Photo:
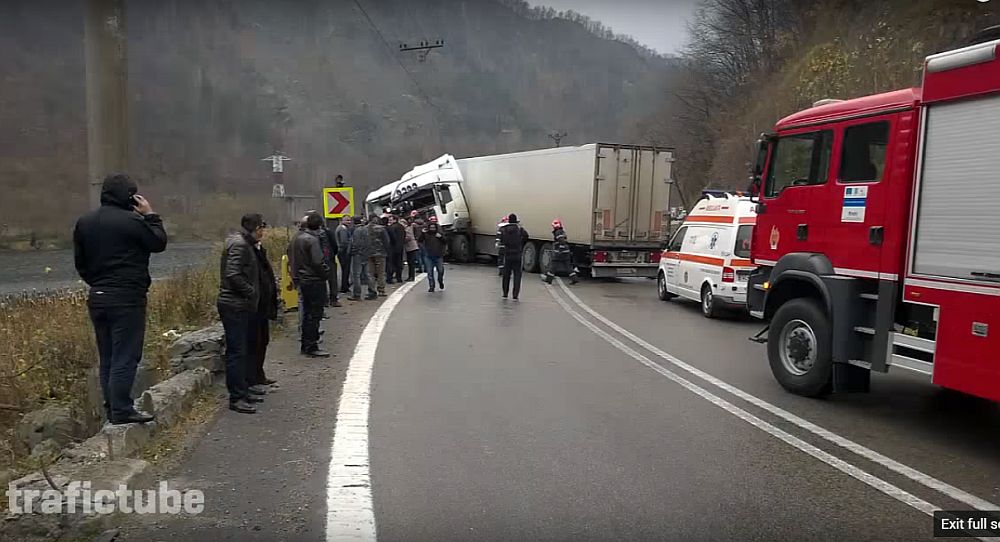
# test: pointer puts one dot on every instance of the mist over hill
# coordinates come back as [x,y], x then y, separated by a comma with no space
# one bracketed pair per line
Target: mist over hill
[216,86]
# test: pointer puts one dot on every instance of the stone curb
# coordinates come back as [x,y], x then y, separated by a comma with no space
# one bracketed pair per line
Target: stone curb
[103,460]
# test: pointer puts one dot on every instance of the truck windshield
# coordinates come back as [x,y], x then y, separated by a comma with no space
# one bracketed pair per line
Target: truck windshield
[743,236]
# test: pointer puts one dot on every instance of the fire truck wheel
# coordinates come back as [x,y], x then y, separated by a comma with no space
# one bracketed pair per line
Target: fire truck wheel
[799,348]
[661,287]
[708,306]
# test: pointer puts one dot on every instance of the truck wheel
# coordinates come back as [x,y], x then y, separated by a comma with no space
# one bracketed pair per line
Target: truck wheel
[799,348]
[529,257]
[708,306]
[661,287]
[545,258]
[461,249]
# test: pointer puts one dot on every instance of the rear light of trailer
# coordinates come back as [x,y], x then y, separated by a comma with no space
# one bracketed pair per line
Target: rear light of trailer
[599,256]
[654,257]
[728,274]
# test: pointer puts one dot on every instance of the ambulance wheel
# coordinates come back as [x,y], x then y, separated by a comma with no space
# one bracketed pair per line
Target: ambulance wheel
[545,258]
[661,287]
[799,348]
[461,249]
[529,257]
[708,306]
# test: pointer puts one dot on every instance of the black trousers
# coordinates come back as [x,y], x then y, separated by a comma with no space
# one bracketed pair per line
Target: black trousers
[332,280]
[258,338]
[120,332]
[511,267]
[396,267]
[411,264]
[236,322]
[313,300]
[345,272]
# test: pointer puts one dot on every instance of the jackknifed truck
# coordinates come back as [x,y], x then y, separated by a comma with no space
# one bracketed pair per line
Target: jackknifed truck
[612,199]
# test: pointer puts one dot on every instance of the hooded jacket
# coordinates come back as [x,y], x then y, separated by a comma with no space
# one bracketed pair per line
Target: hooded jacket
[240,273]
[379,240]
[111,247]
[409,240]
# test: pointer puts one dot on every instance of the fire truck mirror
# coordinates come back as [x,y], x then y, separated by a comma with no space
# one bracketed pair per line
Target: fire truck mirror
[763,144]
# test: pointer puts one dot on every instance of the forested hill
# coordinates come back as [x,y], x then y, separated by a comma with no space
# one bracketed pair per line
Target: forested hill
[215,86]
[751,62]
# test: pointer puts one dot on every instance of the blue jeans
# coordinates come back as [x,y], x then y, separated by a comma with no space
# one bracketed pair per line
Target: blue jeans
[120,333]
[431,263]
[360,275]
[236,322]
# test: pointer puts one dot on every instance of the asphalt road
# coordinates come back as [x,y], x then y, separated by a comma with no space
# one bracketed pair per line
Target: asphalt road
[503,420]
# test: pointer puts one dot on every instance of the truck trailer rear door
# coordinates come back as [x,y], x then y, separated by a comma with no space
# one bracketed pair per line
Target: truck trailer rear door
[632,198]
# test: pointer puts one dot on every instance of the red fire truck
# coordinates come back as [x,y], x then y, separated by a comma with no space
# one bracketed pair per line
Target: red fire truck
[878,234]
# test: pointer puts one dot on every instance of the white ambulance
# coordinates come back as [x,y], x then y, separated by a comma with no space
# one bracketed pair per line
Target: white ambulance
[708,258]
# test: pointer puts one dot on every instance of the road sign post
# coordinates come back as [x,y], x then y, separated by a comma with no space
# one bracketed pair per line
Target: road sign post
[338,202]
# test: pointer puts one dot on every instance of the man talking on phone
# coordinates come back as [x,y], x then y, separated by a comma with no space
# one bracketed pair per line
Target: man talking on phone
[111,247]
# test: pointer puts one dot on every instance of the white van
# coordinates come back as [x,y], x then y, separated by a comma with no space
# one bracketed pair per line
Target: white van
[708,258]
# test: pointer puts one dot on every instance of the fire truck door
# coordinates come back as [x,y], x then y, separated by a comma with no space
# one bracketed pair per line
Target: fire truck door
[797,173]
[855,222]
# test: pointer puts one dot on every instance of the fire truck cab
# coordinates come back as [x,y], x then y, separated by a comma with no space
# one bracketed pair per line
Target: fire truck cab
[878,234]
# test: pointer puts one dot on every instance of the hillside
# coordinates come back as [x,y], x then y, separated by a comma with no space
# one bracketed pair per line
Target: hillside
[218,85]
[752,62]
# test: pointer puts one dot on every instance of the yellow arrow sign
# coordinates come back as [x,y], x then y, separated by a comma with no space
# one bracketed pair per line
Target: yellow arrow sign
[338,202]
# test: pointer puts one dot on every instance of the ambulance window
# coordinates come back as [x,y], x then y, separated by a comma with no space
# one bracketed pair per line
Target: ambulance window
[863,159]
[743,236]
[678,240]
[799,160]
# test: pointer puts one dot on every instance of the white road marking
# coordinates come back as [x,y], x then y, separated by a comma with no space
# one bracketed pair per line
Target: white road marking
[869,454]
[885,487]
[349,509]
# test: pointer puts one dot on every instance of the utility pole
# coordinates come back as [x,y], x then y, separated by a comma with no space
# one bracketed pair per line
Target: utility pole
[424,48]
[557,137]
[105,42]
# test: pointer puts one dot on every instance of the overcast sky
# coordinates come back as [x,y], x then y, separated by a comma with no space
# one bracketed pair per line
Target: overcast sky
[659,24]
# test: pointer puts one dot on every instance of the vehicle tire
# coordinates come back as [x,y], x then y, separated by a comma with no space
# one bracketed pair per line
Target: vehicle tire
[800,348]
[661,287]
[529,257]
[461,249]
[709,308]
[545,258]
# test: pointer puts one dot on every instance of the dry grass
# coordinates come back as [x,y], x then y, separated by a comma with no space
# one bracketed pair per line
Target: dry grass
[47,342]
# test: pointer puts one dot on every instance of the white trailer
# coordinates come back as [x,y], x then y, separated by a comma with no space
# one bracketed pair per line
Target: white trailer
[613,201]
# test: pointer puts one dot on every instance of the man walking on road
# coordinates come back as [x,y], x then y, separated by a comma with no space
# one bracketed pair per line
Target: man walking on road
[343,236]
[312,272]
[111,248]
[410,248]
[239,301]
[379,240]
[433,241]
[360,251]
[512,237]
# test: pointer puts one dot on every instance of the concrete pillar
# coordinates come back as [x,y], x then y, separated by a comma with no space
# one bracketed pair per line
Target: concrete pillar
[105,42]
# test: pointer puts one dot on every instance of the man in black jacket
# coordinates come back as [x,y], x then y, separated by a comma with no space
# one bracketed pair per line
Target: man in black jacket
[260,324]
[311,272]
[512,237]
[328,242]
[239,300]
[111,248]
[394,263]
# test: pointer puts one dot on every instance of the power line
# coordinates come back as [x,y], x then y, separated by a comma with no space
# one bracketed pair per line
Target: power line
[392,53]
